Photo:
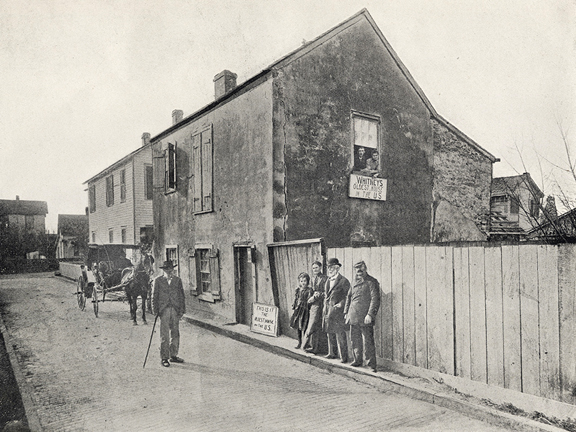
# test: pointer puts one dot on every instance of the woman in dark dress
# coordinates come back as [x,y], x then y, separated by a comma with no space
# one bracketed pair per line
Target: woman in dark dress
[299,319]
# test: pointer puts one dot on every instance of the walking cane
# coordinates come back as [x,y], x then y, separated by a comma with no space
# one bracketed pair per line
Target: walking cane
[150,343]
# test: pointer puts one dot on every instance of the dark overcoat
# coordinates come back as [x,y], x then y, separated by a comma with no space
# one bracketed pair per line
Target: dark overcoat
[363,299]
[168,294]
[333,314]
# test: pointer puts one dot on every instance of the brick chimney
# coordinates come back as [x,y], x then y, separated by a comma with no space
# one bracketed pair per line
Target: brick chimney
[177,116]
[224,82]
[145,139]
[17,198]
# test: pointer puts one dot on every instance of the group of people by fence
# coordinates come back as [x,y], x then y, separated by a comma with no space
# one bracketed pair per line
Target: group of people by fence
[330,304]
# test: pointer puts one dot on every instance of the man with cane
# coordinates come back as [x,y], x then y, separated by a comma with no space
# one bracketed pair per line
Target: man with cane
[168,302]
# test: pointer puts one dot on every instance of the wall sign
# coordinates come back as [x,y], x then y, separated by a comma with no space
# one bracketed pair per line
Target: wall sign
[366,187]
[264,319]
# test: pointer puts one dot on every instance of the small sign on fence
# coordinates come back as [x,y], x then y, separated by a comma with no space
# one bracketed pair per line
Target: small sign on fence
[264,319]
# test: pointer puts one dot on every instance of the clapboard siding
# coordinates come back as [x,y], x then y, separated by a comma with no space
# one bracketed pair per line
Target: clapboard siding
[133,213]
[503,315]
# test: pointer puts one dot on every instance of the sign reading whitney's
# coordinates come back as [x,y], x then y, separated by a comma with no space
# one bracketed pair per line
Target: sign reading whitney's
[365,187]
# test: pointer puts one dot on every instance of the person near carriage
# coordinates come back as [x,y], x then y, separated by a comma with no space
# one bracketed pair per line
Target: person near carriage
[168,302]
[299,319]
[311,342]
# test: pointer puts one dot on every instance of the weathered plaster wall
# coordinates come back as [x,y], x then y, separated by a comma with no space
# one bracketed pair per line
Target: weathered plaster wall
[242,195]
[314,96]
[462,179]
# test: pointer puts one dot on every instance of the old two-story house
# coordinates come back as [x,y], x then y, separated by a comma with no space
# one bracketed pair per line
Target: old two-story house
[120,201]
[23,233]
[335,141]
[23,216]
[72,236]
[515,205]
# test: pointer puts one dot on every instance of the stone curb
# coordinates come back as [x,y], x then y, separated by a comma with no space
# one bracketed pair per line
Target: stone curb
[387,383]
[25,389]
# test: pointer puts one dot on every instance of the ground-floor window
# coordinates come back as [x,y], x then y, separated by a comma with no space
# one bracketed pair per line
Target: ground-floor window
[204,272]
[172,255]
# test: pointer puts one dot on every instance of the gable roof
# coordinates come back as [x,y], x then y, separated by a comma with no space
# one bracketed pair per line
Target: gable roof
[72,225]
[117,164]
[23,207]
[308,47]
[506,185]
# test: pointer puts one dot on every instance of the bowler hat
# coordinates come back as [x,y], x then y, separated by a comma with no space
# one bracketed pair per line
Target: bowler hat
[334,262]
[168,265]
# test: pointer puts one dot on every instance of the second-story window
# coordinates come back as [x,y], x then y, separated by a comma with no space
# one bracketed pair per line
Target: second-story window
[149,185]
[92,198]
[110,190]
[123,185]
[366,151]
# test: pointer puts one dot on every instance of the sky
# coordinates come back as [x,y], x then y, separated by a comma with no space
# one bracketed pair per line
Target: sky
[81,80]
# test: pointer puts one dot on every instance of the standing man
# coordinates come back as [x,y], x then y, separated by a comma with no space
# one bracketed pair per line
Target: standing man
[362,304]
[337,287]
[314,330]
[168,302]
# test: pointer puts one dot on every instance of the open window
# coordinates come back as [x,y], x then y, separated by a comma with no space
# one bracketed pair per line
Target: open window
[365,143]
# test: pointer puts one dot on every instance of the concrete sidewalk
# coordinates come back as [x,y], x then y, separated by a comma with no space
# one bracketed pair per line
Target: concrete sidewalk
[416,388]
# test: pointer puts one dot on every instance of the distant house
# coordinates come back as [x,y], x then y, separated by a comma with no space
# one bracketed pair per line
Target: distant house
[335,141]
[120,200]
[23,233]
[72,236]
[554,228]
[20,216]
[515,204]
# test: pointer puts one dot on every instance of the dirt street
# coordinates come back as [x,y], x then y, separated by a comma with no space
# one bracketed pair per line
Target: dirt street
[85,374]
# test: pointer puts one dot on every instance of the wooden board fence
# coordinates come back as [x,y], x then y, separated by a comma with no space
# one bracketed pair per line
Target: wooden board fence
[504,315]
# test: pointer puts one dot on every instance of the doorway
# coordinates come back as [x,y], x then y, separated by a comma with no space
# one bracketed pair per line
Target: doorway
[245,282]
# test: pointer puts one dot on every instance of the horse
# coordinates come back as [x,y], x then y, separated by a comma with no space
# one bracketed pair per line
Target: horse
[138,284]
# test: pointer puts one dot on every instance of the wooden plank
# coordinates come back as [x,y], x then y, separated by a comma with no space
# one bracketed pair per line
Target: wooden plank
[408,304]
[567,302]
[373,263]
[397,307]
[347,264]
[420,318]
[549,324]
[494,326]
[440,303]
[386,302]
[477,315]
[462,311]
[528,256]
[511,317]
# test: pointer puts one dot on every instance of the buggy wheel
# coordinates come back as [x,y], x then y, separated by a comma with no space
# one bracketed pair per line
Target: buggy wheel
[95,301]
[80,293]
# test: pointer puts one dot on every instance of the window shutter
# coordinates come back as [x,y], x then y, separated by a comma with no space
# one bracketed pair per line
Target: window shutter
[215,273]
[197,172]
[207,170]
[514,205]
[158,167]
[171,168]
[193,281]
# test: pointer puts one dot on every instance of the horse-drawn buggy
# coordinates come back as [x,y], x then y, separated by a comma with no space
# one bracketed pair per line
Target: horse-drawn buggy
[107,274]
